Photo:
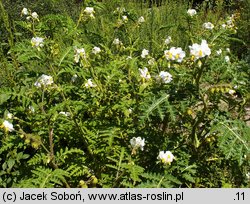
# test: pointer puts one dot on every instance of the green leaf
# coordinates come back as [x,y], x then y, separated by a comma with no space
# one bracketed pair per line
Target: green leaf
[11,163]
[66,52]
[4,98]
[188,177]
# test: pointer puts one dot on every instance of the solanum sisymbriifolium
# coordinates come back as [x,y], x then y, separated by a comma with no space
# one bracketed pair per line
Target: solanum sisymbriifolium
[123,97]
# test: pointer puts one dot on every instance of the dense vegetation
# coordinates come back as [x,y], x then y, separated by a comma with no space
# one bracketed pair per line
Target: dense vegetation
[124,93]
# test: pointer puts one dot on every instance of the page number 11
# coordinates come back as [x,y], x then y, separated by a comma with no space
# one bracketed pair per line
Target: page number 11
[240,196]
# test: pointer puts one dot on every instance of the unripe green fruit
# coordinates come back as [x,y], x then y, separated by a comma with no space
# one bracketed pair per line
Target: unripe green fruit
[94,180]
[83,184]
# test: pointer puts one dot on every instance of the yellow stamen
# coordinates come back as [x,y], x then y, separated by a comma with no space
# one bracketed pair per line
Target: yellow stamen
[200,53]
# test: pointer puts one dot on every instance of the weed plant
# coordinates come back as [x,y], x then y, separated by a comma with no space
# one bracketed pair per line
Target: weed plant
[117,94]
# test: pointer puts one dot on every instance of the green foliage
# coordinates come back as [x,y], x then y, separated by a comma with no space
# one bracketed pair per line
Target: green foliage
[73,115]
[233,139]
[43,177]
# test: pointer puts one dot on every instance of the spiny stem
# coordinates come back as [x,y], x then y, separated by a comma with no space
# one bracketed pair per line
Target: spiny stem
[52,155]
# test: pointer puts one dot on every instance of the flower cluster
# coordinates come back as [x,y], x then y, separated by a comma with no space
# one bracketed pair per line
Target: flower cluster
[44,81]
[31,109]
[144,73]
[25,12]
[79,53]
[141,20]
[89,84]
[29,14]
[230,22]
[218,52]
[9,115]
[166,157]
[96,50]
[74,77]
[124,19]
[227,59]
[191,12]
[37,42]
[168,40]
[165,77]
[144,53]
[119,10]
[200,50]
[151,61]
[7,126]
[176,54]
[89,11]
[137,142]
[117,42]
[231,91]
[208,26]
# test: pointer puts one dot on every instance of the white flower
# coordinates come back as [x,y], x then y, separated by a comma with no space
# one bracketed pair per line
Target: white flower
[223,25]
[208,26]
[166,157]
[65,113]
[37,42]
[79,53]
[31,109]
[231,91]
[151,61]
[144,53]
[166,77]
[34,15]
[25,12]
[125,18]
[168,40]
[175,54]
[191,12]
[128,58]
[248,175]
[137,142]
[141,20]
[199,51]
[117,41]
[228,49]
[89,83]
[120,10]
[144,73]
[230,22]
[218,52]
[74,77]
[9,116]
[8,126]
[227,59]
[96,50]
[89,11]
[44,81]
